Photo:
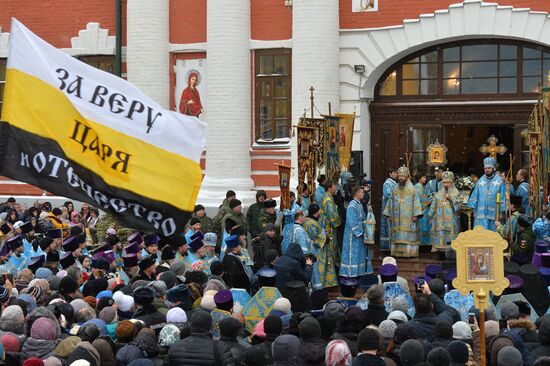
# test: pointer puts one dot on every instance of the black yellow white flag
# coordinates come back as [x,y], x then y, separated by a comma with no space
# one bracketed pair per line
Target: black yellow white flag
[83,133]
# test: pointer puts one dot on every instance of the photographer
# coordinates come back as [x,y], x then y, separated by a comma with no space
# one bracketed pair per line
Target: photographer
[429,309]
[293,266]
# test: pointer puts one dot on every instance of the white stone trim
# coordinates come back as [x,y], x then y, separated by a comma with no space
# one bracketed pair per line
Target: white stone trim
[4,38]
[379,48]
[260,45]
[93,41]
[187,47]
[265,172]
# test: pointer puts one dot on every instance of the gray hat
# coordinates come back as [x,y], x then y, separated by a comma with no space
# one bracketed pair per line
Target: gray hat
[509,310]
[387,329]
[398,316]
[438,356]
[400,303]
[411,353]
[159,287]
[509,356]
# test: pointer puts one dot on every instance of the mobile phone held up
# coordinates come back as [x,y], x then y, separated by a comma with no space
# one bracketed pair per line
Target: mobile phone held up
[471,318]
[420,285]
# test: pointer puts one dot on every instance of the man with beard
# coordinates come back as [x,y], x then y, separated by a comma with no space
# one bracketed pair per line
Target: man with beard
[483,199]
[237,274]
[17,258]
[403,210]
[151,247]
[388,187]
[5,265]
[181,252]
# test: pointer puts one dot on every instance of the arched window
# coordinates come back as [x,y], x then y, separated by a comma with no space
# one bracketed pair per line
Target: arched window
[484,69]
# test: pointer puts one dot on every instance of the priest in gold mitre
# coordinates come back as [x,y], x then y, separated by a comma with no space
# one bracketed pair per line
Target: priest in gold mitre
[444,213]
[403,210]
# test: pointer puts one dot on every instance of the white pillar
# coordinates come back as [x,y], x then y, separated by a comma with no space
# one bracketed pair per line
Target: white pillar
[228,112]
[148,59]
[315,58]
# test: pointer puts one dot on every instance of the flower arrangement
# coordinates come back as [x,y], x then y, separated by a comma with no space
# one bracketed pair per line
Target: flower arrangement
[465,183]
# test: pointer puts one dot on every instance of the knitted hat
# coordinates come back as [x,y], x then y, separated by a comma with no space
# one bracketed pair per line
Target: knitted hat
[400,303]
[10,342]
[44,329]
[144,295]
[404,332]
[509,310]
[68,285]
[4,295]
[108,314]
[369,340]
[78,305]
[13,313]
[43,273]
[491,328]
[230,327]
[309,328]
[387,329]
[234,203]
[124,302]
[411,353]
[201,322]
[509,356]
[335,311]
[91,301]
[33,361]
[169,278]
[282,304]
[458,351]
[208,303]
[443,329]
[159,287]
[176,315]
[462,331]
[169,335]
[398,317]
[125,331]
[103,303]
[147,341]
[439,356]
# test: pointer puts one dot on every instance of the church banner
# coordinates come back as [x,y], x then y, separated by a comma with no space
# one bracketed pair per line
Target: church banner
[284,185]
[82,133]
[332,137]
[345,139]
[306,158]
[318,140]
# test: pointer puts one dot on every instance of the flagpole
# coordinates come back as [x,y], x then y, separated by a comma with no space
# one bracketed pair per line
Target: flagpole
[118,44]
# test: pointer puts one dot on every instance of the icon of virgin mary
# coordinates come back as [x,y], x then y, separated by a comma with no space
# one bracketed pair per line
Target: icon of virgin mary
[190,102]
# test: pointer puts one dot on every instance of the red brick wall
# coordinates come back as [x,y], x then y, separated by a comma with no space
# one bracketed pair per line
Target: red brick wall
[270,20]
[57,21]
[187,21]
[393,12]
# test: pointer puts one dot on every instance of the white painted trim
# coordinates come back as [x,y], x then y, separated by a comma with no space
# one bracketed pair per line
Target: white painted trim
[260,45]
[187,47]
[4,38]
[274,157]
[265,172]
[267,188]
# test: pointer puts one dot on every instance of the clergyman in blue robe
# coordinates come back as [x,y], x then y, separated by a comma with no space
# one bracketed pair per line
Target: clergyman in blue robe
[522,189]
[387,190]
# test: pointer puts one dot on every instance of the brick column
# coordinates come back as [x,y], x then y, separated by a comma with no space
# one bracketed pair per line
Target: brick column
[315,58]
[228,112]
[147,48]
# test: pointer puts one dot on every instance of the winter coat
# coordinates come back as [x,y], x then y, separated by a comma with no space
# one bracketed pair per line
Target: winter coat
[375,314]
[312,352]
[151,317]
[38,348]
[526,329]
[265,346]
[368,360]
[239,218]
[235,275]
[424,324]
[542,350]
[196,350]
[441,342]
[232,353]
[289,267]
[253,215]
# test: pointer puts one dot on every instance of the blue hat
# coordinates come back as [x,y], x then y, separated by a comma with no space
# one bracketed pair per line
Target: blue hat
[14,242]
[210,239]
[232,242]
[70,244]
[388,273]
[196,244]
[178,293]
[55,233]
[489,163]
[433,270]
[151,239]
[197,235]
[80,238]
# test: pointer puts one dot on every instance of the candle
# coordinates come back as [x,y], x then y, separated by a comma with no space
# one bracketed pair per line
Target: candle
[498,197]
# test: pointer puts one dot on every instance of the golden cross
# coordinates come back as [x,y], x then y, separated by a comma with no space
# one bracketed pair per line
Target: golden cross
[492,149]
[311,90]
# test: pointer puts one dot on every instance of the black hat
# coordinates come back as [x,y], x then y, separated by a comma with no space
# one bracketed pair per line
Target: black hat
[229,224]
[101,263]
[216,268]
[144,295]
[52,256]
[196,244]
[511,268]
[194,221]
[67,260]
[45,242]
[168,253]
[26,227]
[230,327]
[80,238]
[14,242]
[55,233]
[112,240]
[515,200]
[525,220]
[348,286]
[369,340]
[36,262]
[94,287]
[459,352]
[234,203]
[313,209]
[57,211]
[5,228]
[151,239]
[230,193]
[198,208]
[535,288]
[201,322]
[75,230]
[270,203]
[178,293]
[270,255]
[70,244]
[68,285]
[146,263]
[130,260]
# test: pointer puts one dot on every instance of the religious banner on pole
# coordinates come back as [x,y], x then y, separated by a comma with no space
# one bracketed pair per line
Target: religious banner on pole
[332,136]
[537,133]
[345,140]
[284,185]
[85,134]
[306,158]
[318,139]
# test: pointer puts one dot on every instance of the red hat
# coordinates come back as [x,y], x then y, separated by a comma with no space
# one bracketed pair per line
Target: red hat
[11,343]
[33,361]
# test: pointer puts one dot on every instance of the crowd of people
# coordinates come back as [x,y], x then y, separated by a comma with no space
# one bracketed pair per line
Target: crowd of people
[272,287]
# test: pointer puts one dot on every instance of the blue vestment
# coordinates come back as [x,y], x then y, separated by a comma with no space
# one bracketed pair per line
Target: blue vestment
[483,200]
[522,190]
[424,222]
[354,250]
[319,195]
[388,187]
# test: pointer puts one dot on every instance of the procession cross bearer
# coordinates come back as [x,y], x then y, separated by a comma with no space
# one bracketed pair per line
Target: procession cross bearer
[489,189]
[403,210]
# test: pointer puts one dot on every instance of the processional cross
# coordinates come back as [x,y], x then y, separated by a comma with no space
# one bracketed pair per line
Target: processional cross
[492,149]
